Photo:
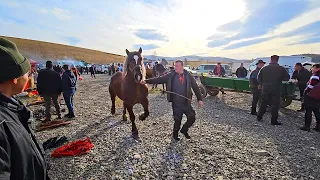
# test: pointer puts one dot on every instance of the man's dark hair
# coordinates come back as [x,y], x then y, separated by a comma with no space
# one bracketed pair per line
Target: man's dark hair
[49,64]
[65,67]
[299,64]
[179,61]
[316,65]
[275,58]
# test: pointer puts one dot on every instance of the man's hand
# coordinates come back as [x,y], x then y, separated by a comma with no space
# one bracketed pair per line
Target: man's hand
[259,87]
[143,82]
[200,104]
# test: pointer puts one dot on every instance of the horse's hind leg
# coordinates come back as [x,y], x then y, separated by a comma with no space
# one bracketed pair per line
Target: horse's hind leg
[113,100]
[132,119]
[145,104]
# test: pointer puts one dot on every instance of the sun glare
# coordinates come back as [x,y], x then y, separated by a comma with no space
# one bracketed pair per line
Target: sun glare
[199,19]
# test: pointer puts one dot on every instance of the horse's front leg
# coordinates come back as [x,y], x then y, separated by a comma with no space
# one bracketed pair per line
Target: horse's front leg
[145,104]
[135,134]
[124,116]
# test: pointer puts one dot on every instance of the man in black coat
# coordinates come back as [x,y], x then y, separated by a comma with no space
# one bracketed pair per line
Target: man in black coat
[270,79]
[21,156]
[179,84]
[255,88]
[302,75]
[49,85]
[241,72]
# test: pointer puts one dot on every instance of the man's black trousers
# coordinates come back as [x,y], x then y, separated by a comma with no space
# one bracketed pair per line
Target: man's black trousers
[272,98]
[256,93]
[178,111]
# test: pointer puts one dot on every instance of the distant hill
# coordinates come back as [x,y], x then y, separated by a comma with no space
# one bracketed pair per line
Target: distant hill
[208,59]
[315,57]
[42,51]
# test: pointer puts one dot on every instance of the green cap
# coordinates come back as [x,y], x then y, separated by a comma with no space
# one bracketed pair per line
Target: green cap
[12,63]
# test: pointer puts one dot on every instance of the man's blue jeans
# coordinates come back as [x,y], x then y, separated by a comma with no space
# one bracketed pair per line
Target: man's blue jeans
[68,98]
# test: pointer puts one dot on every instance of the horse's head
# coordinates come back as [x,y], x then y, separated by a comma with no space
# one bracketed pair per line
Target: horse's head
[134,65]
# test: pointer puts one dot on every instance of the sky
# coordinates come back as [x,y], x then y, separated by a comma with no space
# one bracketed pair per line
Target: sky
[240,29]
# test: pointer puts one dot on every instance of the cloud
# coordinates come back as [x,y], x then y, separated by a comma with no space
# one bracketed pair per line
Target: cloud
[262,17]
[146,46]
[61,14]
[151,34]
[72,40]
[246,43]
[218,43]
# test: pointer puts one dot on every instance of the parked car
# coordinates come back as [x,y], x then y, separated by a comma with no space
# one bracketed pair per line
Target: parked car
[189,69]
[205,68]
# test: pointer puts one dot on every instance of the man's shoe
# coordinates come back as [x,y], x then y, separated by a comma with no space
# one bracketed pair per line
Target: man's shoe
[176,136]
[317,128]
[186,134]
[253,113]
[305,128]
[67,115]
[71,116]
[276,123]
[259,118]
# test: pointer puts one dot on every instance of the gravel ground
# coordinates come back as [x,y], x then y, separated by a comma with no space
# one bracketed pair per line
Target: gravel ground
[227,142]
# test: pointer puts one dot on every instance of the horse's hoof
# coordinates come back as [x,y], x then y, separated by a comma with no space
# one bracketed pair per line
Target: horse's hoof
[113,112]
[142,117]
[124,118]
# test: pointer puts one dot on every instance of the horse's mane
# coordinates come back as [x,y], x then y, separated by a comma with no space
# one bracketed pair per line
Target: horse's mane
[126,62]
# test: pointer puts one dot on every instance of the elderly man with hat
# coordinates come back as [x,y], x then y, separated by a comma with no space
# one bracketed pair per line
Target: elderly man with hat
[270,79]
[21,156]
[255,88]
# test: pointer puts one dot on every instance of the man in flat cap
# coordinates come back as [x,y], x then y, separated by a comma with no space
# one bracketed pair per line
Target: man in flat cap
[255,88]
[270,79]
[21,156]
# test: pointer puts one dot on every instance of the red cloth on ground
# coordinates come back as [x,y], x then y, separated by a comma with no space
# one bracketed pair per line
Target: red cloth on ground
[74,148]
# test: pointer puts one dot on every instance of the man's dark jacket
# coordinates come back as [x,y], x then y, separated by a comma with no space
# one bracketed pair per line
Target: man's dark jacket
[303,76]
[271,77]
[21,156]
[167,79]
[49,82]
[68,81]
[254,78]
[241,72]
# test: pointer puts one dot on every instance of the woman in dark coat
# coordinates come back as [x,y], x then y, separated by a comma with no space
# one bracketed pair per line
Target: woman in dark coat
[312,104]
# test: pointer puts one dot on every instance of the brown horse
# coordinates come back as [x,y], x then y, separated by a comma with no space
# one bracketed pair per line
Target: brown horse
[126,85]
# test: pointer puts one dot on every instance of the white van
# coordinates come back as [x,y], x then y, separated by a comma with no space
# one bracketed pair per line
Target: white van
[286,61]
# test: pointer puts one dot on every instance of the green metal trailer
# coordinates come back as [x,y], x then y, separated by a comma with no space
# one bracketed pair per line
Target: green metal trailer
[212,85]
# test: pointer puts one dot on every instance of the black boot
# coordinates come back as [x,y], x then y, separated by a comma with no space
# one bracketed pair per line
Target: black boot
[185,133]
[305,128]
[175,136]
[317,128]
[253,111]
[276,123]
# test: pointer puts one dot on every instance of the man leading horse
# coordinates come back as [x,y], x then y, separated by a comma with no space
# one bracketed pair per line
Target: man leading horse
[179,84]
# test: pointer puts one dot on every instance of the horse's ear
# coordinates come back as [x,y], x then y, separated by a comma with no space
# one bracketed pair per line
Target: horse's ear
[140,50]
[127,51]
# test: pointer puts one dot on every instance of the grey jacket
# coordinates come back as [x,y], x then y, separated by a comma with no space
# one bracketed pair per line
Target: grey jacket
[271,77]
[167,79]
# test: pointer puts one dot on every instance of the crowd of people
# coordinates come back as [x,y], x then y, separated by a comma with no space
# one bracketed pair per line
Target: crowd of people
[22,156]
[266,86]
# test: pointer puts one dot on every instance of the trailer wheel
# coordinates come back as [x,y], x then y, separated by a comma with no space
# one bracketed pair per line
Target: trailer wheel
[286,101]
[213,91]
[203,90]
